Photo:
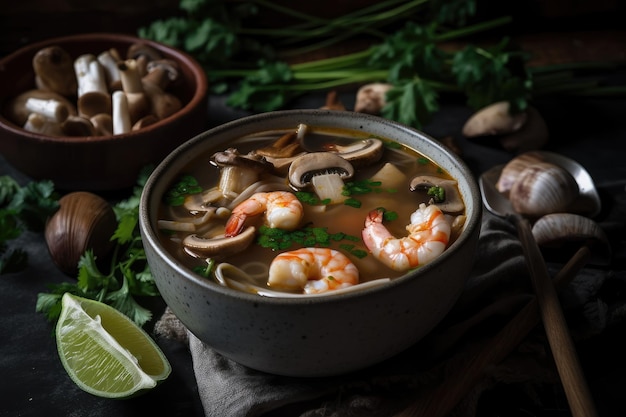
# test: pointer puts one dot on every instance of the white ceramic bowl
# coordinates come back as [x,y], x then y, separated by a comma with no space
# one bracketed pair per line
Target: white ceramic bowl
[318,336]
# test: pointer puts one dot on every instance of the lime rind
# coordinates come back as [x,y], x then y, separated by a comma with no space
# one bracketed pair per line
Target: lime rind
[104,352]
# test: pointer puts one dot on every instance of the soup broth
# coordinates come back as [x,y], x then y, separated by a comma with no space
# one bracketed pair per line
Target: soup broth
[382,183]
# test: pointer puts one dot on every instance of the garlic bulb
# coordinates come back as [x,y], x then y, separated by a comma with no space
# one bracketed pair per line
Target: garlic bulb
[543,188]
[83,221]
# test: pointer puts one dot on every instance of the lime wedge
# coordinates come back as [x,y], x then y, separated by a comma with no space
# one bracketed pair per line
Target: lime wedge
[106,353]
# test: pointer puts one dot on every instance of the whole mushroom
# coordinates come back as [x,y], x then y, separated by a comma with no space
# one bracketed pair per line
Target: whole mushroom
[54,71]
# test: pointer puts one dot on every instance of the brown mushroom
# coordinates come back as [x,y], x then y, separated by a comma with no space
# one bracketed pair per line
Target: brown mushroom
[220,246]
[371,98]
[78,126]
[18,113]
[361,153]
[138,102]
[452,201]
[102,124]
[238,171]
[325,172]
[37,123]
[53,68]
[93,93]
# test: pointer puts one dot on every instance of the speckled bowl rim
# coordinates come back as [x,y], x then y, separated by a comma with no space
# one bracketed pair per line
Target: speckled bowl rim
[150,237]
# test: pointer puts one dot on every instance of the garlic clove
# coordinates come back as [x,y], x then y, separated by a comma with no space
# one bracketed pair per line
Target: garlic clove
[543,188]
[84,221]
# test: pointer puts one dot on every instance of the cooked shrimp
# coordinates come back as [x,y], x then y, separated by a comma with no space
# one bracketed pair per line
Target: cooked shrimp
[429,233]
[313,270]
[282,210]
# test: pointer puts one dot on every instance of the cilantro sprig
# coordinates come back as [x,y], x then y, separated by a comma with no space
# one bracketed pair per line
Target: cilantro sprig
[22,208]
[248,60]
[126,277]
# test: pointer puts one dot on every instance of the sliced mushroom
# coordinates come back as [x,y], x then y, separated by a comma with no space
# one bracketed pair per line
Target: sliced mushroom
[452,202]
[568,231]
[361,153]
[325,172]
[307,166]
[238,171]
[220,246]
[54,71]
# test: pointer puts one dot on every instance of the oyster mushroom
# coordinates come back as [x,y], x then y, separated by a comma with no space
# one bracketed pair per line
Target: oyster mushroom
[282,152]
[54,71]
[324,172]
[219,246]
[567,231]
[543,188]
[238,171]
[452,202]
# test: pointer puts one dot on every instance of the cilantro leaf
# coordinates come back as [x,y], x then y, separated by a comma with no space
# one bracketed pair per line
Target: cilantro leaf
[412,103]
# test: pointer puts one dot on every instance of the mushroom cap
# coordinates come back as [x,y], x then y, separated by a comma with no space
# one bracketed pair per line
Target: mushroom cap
[453,202]
[54,71]
[220,246]
[232,157]
[362,153]
[305,167]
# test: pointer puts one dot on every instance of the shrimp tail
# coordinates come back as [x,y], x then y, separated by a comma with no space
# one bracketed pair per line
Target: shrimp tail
[234,225]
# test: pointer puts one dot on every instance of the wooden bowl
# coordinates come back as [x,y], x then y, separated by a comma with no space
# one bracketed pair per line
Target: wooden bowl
[98,162]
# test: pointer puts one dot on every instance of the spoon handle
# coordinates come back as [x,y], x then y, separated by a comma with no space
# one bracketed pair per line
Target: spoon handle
[559,338]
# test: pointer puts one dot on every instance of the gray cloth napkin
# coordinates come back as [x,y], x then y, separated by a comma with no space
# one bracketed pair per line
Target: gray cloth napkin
[497,288]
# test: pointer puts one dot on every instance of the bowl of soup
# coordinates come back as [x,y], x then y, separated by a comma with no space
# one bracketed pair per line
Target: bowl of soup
[310,242]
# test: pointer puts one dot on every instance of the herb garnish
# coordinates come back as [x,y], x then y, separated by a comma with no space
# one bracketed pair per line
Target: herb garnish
[437,193]
[21,209]
[186,185]
[308,236]
[127,277]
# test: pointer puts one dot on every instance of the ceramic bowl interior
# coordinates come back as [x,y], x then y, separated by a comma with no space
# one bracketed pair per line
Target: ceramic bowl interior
[98,162]
[311,336]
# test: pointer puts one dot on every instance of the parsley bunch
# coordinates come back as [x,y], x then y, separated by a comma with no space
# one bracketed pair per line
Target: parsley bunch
[127,276]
